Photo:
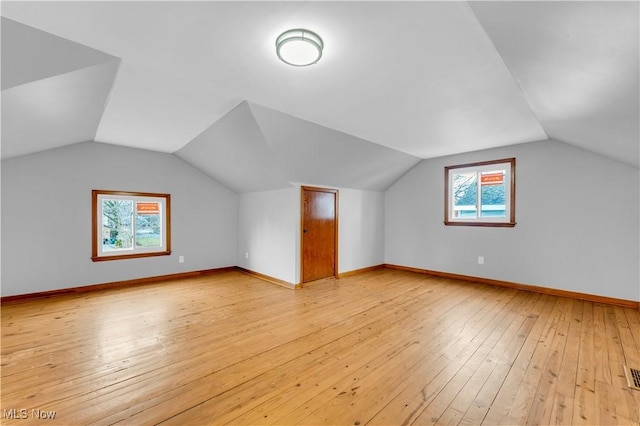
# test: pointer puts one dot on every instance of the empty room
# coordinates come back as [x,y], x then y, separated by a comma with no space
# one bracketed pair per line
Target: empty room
[320,213]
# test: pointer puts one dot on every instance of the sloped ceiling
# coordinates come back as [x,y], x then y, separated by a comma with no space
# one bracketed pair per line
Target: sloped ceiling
[577,64]
[234,152]
[398,81]
[251,139]
[314,154]
[53,91]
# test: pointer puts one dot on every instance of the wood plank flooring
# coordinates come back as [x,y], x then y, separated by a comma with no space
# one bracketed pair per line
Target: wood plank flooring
[385,347]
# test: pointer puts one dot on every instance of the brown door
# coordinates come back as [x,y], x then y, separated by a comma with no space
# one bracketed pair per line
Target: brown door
[319,233]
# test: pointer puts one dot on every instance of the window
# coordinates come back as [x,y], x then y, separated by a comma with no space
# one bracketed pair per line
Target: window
[130,224]
[481,194]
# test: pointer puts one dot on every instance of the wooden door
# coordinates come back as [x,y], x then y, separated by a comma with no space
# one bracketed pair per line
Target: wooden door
[319,233]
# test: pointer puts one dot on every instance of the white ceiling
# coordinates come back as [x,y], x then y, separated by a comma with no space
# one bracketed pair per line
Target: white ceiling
[423,78]
[255,148]
[577,64]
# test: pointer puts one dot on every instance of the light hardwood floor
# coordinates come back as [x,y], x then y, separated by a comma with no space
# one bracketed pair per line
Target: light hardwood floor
[385,347]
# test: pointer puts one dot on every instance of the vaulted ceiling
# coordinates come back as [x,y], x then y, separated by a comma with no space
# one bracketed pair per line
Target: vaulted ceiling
[398,82]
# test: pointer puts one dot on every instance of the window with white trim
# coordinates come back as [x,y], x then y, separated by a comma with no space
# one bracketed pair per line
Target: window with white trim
[481,194]
[130,224]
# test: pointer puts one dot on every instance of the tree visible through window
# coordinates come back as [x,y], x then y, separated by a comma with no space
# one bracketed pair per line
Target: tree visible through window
[480,194]
[130,224]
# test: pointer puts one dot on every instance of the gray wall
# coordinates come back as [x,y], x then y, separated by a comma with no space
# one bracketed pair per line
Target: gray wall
[577,226]
[577,213]
[46,216]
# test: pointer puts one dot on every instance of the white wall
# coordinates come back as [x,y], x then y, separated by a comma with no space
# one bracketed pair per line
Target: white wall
[577,220]
[46,216]
[361,229]
[268,231]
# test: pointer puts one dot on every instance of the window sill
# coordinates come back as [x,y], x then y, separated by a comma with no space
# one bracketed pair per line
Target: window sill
[129,256]
[485,224]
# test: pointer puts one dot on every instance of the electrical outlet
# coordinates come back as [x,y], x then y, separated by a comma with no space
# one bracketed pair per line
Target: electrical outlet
[480,260]
[246,254]
[180,259]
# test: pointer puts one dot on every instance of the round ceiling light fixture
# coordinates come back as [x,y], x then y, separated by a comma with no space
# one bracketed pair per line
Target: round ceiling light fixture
[299,47]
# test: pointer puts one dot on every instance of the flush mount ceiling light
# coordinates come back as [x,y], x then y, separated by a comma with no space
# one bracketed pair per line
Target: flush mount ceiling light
[299,47]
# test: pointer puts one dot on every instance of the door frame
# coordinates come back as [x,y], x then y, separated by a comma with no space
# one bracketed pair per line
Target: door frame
[335,219]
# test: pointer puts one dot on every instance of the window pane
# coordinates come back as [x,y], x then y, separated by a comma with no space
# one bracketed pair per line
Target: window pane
[117,226]
[480,194]
[492,194]
[465,195]
[128,225]
[148,224]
